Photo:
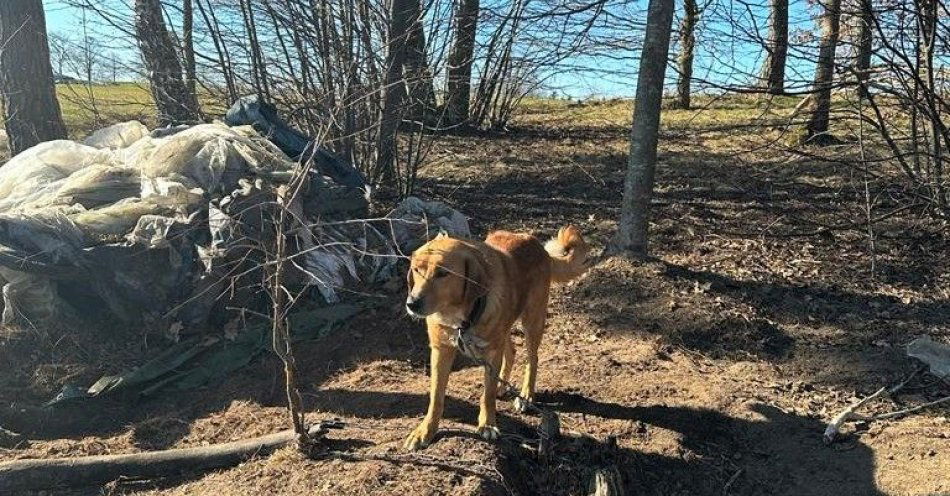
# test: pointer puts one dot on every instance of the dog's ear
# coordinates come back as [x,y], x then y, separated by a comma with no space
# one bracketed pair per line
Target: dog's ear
[473,279]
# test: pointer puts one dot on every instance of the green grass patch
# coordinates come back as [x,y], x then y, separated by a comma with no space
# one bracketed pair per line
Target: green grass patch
[86,108]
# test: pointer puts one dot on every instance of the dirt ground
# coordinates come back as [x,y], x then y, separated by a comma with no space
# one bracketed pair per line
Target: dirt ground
[710,369]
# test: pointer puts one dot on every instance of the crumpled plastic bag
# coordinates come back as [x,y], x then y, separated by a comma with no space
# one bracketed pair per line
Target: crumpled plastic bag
[208,157]
[36,173]
[120,135]
[935,355]
[415,221]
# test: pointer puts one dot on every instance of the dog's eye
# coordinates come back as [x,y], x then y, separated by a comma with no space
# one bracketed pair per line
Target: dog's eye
[440,273]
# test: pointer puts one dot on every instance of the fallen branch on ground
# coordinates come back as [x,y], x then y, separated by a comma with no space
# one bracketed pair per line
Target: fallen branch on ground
[25,475]
[834,427]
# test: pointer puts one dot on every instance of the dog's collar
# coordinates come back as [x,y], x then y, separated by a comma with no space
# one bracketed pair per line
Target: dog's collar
[478,308]
[466,342]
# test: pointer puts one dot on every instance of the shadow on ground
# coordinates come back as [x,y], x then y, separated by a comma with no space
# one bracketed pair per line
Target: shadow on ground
[780,453]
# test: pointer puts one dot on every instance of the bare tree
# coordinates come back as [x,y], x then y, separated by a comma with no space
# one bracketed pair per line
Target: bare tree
[773,70]
[419,84]
[685,59]
[400,19]
[929,12]
[863,44]
[632,230]
[172,98]
[31,110]
[458,85]
[188,45]
[816,131]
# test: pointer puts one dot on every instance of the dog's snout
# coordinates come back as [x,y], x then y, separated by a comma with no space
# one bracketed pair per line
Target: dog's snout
[414,304]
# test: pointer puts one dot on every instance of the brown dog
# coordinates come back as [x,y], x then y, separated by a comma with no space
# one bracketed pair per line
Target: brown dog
[481,289]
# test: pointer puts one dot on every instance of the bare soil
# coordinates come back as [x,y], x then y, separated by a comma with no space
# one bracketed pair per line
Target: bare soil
[709,369]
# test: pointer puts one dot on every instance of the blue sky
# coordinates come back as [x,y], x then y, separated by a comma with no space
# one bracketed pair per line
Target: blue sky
[610,76]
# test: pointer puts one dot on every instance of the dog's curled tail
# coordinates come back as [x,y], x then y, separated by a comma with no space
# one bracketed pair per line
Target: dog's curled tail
[568,252]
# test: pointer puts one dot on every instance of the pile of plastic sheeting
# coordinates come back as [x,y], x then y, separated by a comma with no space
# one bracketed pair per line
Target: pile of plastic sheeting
[154,227]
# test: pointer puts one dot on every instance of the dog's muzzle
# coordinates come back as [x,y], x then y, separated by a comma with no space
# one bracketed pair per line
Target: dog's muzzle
[414,307]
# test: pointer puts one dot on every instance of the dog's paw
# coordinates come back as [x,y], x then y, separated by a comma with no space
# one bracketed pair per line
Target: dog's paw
[522,405]
[419,438]
[489,432]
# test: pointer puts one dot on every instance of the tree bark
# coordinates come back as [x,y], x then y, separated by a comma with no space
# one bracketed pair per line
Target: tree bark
[458,86]
[632,231]
[865,38]
[188,45]
[773,69]
[929,12]
[173,100]
[816,131]
[393,89]
[419,84]
[31,110]
[685,60]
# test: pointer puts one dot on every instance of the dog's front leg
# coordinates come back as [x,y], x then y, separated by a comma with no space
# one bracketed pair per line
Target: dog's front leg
[441,359]
[487,427]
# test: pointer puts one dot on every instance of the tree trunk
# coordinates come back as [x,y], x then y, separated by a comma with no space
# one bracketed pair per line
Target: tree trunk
[685,60]
[458,86]
[863,45]
[631,234]
[929,12]
[400,19]
[172,98]
[188,46]
[31,111]
[773,70]
[419,85]
[816,131]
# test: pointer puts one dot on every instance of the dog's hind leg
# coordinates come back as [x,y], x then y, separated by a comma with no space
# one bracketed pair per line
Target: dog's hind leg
[532,320]
[507,362]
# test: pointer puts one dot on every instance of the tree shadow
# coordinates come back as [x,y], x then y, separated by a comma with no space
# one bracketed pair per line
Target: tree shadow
[776,453]
[779,453]
[161,420]
[827,304]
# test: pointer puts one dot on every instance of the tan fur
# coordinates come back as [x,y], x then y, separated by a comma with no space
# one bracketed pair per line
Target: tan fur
[514,272]
[568,253]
